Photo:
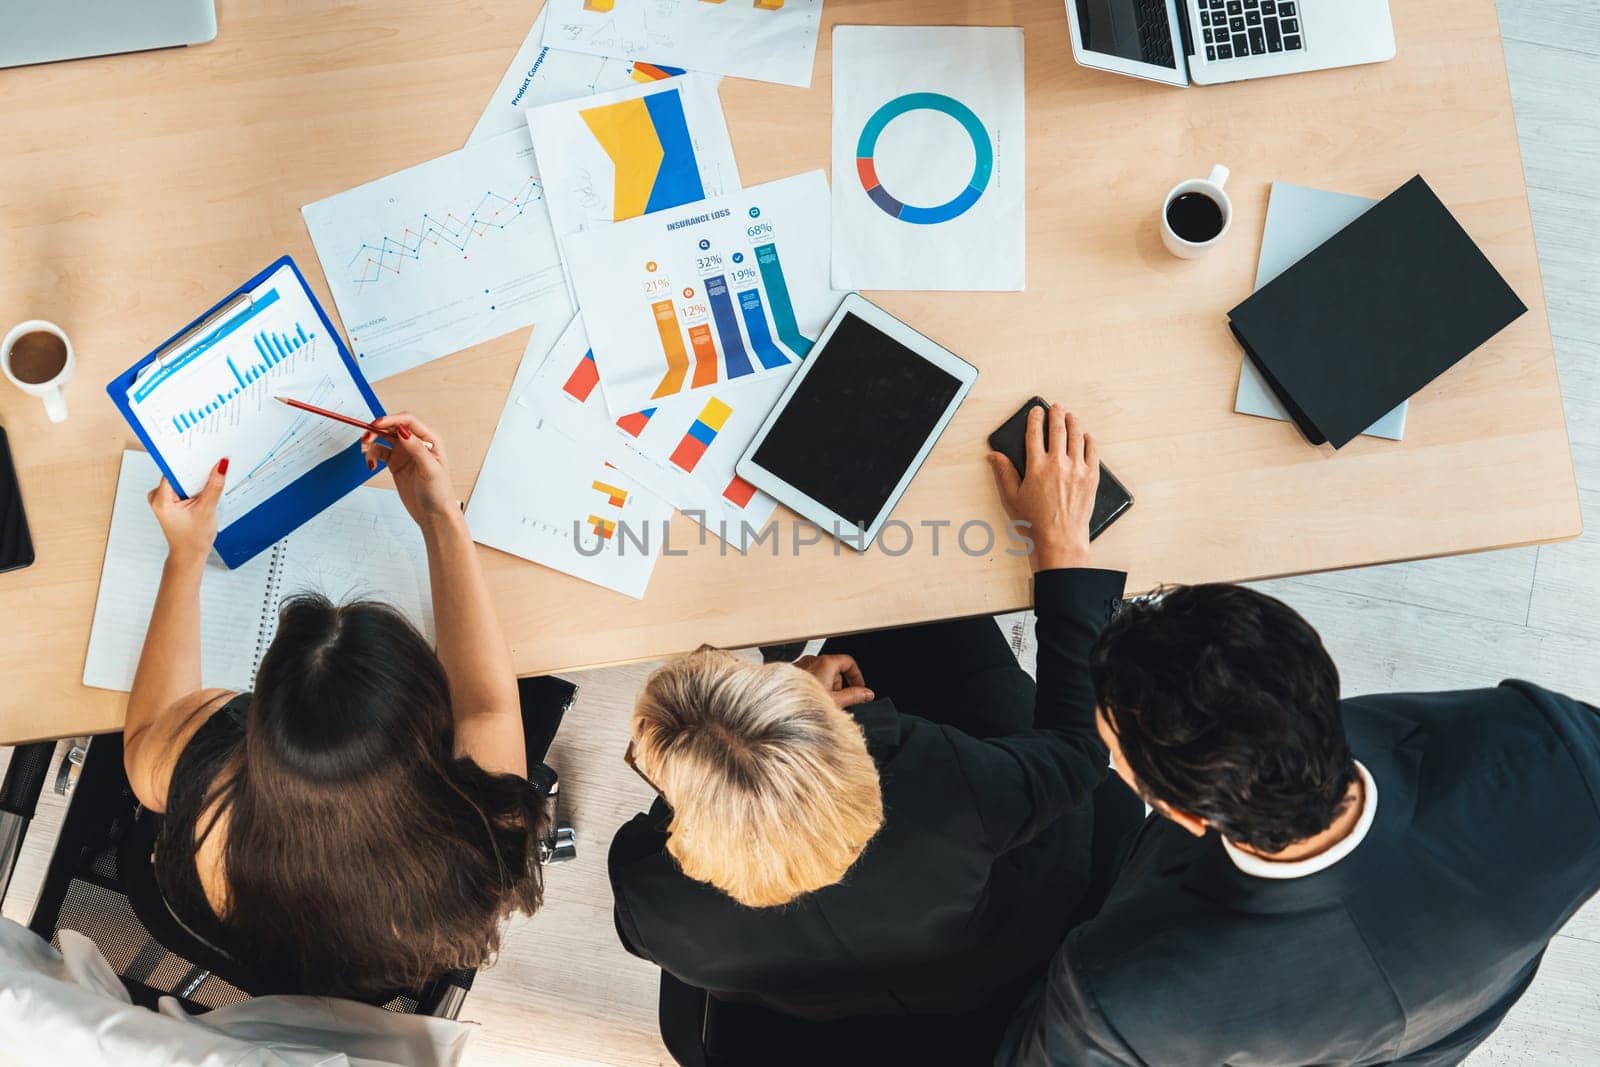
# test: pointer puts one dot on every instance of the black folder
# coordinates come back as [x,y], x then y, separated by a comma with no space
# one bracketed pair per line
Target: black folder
[1375,313]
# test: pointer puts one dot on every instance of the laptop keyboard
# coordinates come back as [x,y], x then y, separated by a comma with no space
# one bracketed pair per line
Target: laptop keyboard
[1233,29]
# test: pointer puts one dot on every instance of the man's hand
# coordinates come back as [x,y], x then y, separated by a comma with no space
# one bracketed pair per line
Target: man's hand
[840,676]
[1056,499]
[190,525]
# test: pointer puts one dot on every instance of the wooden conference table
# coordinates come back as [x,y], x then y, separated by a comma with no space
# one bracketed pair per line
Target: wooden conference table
[134,190]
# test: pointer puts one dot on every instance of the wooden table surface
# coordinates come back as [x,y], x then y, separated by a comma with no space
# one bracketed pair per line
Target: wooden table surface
[135,190]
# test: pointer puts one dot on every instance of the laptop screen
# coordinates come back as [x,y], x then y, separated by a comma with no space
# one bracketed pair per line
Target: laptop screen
[1137,30]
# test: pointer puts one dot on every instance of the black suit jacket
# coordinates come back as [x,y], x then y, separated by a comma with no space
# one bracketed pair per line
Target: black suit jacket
[1410,950]
[967,887]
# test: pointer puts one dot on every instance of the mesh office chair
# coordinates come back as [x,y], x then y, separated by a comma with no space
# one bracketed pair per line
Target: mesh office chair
[82,889]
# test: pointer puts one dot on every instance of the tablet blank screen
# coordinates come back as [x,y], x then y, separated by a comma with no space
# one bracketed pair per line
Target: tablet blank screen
[857,420]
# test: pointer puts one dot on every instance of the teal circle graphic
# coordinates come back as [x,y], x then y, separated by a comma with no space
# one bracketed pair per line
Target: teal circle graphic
[982,166]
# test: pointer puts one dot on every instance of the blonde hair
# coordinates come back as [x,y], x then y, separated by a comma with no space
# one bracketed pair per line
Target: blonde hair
[772,790]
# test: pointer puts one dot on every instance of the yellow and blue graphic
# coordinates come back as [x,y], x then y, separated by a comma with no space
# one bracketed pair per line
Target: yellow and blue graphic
[982,165]
[647,139]
[701,433]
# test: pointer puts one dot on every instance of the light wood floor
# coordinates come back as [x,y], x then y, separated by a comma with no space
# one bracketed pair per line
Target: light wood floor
[563,991]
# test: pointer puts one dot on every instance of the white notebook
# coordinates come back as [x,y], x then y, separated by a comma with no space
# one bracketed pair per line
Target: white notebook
[365,547]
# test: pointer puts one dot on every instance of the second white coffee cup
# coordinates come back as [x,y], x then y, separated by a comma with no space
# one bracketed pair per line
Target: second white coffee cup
[1210,188]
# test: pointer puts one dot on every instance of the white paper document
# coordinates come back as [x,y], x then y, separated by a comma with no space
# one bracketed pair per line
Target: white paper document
[707,295]
[768,40]
[441,256]
[683,449]
[364,547]
[540,74]
[1300,219]
[627,153]
[928,167]
[551,499]
[212,396]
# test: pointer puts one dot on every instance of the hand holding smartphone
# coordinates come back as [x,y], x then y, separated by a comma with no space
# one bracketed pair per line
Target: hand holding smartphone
[1011,441]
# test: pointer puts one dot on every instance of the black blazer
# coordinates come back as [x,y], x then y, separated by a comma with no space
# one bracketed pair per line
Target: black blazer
[1410,950]
[967,887]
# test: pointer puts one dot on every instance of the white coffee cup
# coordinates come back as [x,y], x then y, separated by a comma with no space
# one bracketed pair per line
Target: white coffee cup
[1212,189]
[55,404]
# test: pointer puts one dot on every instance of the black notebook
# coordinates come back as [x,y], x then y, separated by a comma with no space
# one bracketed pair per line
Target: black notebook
[1375,313]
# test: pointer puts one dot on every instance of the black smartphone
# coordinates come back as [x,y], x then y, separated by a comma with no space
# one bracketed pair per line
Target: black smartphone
[1011,441]
[16,544]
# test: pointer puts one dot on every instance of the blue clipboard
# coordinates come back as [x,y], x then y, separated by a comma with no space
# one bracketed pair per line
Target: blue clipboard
[279,515]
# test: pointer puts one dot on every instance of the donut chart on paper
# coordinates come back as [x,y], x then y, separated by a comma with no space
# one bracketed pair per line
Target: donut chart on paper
[982,166]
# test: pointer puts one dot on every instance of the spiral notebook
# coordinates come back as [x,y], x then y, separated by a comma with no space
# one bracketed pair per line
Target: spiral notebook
[364,546]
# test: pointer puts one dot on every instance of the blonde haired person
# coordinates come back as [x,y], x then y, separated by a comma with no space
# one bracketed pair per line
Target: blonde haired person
[828,850]
[742,747]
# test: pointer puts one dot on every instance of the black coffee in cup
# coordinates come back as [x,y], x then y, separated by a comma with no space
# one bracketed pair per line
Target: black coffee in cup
[1195,217]
[37,357]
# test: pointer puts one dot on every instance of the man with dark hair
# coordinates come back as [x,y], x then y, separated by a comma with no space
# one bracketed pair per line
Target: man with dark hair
[1367,881]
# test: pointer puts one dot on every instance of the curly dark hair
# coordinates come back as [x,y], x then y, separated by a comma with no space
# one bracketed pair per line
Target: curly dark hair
[1226,706]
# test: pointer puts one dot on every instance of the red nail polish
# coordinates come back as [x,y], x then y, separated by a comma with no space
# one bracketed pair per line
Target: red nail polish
[222,465]
[405,434]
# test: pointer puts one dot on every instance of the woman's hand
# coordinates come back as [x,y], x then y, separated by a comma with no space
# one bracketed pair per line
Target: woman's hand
[840,676]
[417,461]
[190,525]
[1056,499]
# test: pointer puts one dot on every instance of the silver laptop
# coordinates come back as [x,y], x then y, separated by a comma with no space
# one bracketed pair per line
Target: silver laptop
[41,31]
[1206,42]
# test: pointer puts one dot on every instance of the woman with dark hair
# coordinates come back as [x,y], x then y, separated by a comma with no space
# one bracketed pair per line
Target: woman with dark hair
[362,821]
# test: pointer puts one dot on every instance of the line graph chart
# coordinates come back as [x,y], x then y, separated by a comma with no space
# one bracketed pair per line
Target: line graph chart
[441,256]
[493,214]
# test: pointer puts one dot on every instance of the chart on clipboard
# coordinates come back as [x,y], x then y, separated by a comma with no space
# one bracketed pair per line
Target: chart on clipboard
[211,393]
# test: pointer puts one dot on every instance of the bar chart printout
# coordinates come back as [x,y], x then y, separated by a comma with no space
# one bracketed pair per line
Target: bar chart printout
[683,449]
[705,296]
[551,499]
[769,40]
[212,396]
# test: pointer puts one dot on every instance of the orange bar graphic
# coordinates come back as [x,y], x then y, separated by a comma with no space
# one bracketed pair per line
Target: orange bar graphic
[614,496]
[672,346]
[705,355]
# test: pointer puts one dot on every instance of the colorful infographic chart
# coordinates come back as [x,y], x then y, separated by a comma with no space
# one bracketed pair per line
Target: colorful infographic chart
[539,74]
[682,449]
[929,122]
[768,40]
[214,398]
[652,156]
[622,154]
[982,151]
[441,256]
[730,288]
[553,499]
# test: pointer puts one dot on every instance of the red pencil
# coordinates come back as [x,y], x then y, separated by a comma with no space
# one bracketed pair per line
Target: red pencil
[348,420]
